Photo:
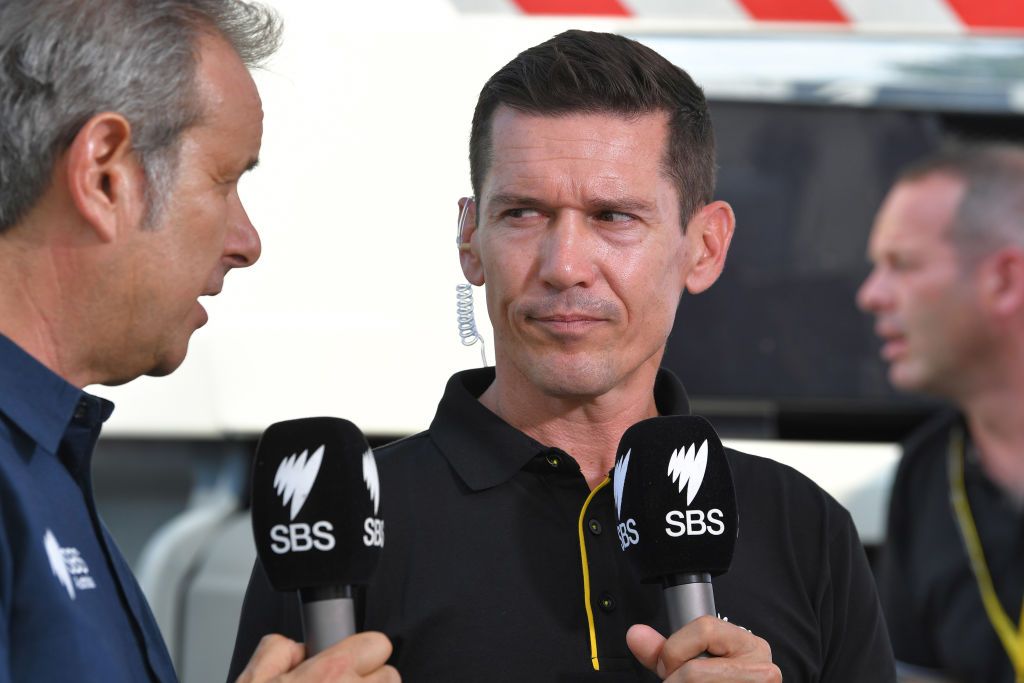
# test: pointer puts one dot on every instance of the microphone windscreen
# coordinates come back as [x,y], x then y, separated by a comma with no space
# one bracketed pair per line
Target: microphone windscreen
[674,498]
[316,513]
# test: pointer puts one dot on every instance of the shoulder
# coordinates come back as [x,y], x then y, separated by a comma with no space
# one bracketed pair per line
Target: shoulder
[758,477]
[770,493]
[403,448]
[930,438]
[398,456]
[414,461]
[924,451]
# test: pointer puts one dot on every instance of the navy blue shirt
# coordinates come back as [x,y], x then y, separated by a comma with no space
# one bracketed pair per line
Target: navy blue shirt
[70,608]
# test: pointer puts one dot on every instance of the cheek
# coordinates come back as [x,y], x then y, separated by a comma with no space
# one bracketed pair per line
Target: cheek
[208,231]
[506,274]
[649,284]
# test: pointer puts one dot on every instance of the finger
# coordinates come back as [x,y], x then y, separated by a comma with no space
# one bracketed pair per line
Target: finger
[716,669]
[274,656]
[362,653]
[716,637]
[689,642]
[385,674]
[646,644]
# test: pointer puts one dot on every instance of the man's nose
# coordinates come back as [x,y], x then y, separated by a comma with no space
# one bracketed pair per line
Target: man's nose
[567,252]
[872,293]
[242,247]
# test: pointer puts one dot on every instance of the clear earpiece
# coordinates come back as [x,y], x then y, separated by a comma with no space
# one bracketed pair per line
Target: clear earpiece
[464,298]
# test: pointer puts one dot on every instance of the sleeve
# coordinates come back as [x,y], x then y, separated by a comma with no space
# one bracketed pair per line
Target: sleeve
[906,630]
[5,663]
[854,632]
[6,583]
[264,611]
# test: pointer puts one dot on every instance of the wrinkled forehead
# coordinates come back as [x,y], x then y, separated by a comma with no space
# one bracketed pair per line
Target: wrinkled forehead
[591,147]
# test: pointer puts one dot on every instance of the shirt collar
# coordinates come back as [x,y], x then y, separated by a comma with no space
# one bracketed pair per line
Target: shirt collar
[487,451]
[39,401]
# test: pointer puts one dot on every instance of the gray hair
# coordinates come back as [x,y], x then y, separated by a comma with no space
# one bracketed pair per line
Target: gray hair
[64,61]
[991,213]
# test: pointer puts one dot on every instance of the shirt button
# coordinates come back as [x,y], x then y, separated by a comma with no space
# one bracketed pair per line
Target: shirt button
[81,410]
[553,460]
[595,527]
[607,602]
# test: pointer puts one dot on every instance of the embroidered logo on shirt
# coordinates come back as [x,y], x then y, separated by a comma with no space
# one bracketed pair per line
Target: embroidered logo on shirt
[295,477]
[67,565]
[688,468]
[371,478]
[619,480]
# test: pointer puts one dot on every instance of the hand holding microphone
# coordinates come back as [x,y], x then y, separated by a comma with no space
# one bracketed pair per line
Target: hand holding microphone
[317,523]
[359,658]
[678,522]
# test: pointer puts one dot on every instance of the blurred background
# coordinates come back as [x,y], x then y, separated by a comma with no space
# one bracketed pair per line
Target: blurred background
[351,309]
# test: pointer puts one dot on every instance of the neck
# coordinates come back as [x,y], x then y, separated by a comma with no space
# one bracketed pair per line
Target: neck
[35,309]
[586,427]
[996,421]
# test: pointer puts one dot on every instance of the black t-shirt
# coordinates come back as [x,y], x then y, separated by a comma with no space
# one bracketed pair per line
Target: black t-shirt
[494,541]
[929,594]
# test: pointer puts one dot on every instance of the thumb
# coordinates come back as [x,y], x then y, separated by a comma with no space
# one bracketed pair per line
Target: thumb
[646,644]
[275,655]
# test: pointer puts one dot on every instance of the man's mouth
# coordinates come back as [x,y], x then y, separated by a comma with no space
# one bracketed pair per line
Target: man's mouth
[894,344]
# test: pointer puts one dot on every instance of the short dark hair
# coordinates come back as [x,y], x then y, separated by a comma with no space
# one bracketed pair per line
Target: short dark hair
[587,72]
[991,213]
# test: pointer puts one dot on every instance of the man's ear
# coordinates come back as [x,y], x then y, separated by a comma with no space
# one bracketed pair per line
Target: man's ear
[712,228]
[472,268]
[1002,281]
[105,179]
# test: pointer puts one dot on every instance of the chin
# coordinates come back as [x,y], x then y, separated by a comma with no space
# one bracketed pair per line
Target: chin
[582,378]
[907,380]
[168,361]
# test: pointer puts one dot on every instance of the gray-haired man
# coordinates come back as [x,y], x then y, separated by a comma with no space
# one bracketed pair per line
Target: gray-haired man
[124,129]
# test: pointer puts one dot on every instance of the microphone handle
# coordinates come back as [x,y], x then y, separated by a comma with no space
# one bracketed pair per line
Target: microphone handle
[328,616]
[688,596]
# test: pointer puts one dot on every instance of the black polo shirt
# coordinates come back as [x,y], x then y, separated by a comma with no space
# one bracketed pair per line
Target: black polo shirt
[929,593]
[502,565]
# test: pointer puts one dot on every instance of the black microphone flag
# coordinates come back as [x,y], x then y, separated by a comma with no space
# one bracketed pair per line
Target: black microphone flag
[317,518]
[676,508]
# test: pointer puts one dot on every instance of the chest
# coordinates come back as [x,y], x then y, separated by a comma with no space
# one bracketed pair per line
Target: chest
[71,607]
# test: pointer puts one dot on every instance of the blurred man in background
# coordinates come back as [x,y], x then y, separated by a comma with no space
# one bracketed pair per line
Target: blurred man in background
[947,293]
[592,160]
[124,129]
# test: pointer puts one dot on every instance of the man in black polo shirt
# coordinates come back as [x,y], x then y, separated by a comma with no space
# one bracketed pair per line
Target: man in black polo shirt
[124,129]
[592,164]
[947,291]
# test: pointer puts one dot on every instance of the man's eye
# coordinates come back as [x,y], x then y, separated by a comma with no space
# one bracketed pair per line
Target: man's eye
[522,213]
[614,217]
[900,264]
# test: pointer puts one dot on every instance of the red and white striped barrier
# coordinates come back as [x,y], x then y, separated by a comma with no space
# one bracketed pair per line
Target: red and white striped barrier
[919,16]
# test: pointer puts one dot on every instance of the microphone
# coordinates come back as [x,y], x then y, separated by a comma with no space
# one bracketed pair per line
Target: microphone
[316,519]
[676,507]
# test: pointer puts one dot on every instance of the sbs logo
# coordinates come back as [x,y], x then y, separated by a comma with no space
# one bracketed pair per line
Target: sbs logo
[687,469]
[628,534]
[293,481]
[67,565]
[373,527]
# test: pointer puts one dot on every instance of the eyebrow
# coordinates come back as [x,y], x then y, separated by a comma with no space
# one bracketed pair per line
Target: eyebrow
[632,204]
[513,199]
